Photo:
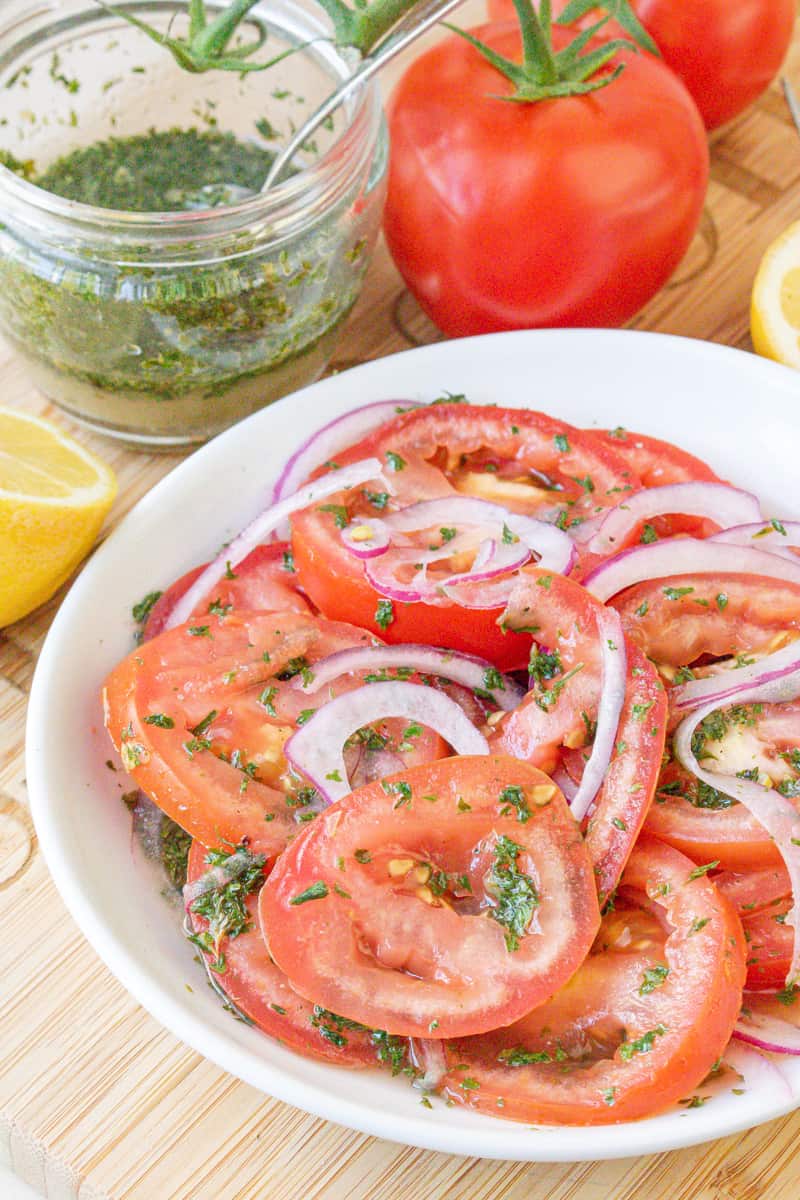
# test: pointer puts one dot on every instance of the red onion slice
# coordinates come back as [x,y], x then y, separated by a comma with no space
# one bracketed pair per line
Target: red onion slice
[774,812]
[367,538]
[768,1033]
[515,537]
[757,1071]
[472,672]
[336,435]
[612,698]
[776,537]
[684,556]
[717,689]
[315,750]
[553,547]
[255,533]
[721,504]
[427,1055]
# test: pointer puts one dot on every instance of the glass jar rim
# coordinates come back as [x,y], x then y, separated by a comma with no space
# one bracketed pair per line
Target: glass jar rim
[312,190]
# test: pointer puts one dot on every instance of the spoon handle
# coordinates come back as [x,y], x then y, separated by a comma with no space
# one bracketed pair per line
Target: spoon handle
[411,25]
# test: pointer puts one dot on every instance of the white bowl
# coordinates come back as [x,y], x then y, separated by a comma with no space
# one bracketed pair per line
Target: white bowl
[739,412]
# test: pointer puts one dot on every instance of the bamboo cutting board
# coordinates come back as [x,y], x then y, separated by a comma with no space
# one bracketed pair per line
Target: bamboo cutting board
[97,1102]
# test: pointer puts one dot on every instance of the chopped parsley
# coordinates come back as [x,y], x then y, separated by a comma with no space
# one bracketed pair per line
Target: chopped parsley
[648,534]
[160,720]
[561,443]
[513,797]
[673,593]
[395,461]
[653,978]
[641,1045]
[338,512]
[516,894]
[548,699]
[225,907]
[384,613]
[316,891]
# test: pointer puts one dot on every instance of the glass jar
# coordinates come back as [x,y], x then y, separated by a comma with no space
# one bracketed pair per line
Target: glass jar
[161,329]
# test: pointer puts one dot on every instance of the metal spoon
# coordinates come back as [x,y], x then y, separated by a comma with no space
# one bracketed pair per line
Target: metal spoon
[410,26]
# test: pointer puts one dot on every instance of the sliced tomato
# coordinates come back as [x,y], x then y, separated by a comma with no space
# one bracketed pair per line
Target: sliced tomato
[751,891]
[770,944]
[679,620]
[558,714]
[640,1024]
[243,969]
[520,459]
[684,624]
[200,715]
[265,581]
[449,899]
[654,461]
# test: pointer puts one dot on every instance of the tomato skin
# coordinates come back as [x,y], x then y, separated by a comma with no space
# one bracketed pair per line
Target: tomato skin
[335,580]
[263,993]
[726,53]
[205,691]
[696,1005]
[375,946]
[653,460]
[562,212]
[261,582]
[752,611]
[565,615]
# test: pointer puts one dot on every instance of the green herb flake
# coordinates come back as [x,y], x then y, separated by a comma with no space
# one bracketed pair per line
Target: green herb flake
[641,1045]
[648,534]
[514,891]
[396,463]
[673,593]
[199,631]
[513,798]
[653,978]
[384,614]
[160,720]
[561,443]
[338,512]
[698,872]
[316,891]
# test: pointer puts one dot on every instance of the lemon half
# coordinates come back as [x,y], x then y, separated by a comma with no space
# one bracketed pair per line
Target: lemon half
[775,306]
[54,496]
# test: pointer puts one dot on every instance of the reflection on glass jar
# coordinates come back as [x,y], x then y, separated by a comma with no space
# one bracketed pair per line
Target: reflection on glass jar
[164,327]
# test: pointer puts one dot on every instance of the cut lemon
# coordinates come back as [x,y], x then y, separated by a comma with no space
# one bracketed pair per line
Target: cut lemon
[775,307]
[54,496]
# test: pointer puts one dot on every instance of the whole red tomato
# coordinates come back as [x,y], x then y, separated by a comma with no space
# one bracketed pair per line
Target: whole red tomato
[573,211]
[725,51]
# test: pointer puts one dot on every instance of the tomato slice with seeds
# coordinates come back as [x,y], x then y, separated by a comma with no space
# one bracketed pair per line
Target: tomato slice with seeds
[640,1024]
[265,581]
[243,969]
[523,460]
[449,899]
[679,620]
[686,625]
[550,722]
[201,713]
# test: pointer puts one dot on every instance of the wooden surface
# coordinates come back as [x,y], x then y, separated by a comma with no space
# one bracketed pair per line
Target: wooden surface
[96,1100]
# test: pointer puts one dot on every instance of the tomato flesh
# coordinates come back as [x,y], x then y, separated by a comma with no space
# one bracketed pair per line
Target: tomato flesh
[564,617]
[438,452]
[395,907]
[262,581]
[200,720]
[637,1028]
[263,993]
